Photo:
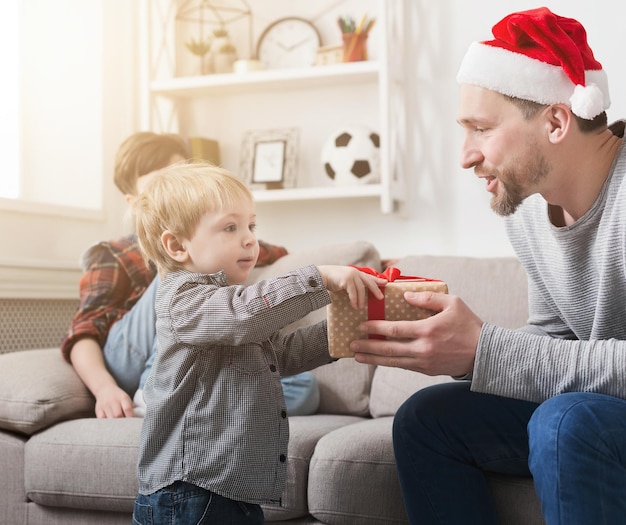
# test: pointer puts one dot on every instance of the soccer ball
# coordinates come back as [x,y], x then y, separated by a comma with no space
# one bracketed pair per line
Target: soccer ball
[351,155]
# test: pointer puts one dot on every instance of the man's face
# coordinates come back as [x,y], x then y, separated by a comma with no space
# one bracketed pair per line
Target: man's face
[501,146]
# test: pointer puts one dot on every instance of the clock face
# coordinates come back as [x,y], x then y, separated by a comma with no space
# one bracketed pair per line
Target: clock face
[288,42]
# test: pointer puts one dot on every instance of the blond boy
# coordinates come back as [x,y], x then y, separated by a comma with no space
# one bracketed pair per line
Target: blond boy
[214,440]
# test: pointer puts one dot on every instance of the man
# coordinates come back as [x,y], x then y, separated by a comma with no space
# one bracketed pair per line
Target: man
[547,400]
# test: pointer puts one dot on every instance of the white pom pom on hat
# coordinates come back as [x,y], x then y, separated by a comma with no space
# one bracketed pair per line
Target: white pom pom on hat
[539,56]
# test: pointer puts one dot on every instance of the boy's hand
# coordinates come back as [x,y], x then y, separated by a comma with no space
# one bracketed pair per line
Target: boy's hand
[356,283]
[113,402]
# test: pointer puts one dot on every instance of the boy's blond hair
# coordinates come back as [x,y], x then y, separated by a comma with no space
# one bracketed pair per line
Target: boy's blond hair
[176,199]
[143,153]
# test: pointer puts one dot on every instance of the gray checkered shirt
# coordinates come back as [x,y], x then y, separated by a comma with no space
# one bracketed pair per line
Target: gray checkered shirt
[216,416]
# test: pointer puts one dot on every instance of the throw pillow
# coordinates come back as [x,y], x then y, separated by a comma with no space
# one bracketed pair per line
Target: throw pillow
[38,388]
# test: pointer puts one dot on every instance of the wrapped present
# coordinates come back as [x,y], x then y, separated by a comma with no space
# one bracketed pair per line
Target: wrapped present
[344,320]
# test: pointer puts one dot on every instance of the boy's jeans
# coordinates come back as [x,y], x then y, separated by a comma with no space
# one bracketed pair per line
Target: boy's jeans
[131,347]
[185,504]
[446,438]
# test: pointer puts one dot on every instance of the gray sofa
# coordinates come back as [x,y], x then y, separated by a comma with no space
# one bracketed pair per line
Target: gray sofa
[61,465]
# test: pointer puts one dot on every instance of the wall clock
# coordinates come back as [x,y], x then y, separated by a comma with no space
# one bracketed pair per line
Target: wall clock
[289,42]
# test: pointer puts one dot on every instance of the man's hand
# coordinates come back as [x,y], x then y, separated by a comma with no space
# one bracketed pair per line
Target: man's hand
[444,344]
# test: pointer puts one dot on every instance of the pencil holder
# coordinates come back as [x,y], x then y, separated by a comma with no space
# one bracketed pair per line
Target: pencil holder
[354,47]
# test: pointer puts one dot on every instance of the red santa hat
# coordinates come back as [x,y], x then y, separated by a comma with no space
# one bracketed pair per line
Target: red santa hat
[539,56]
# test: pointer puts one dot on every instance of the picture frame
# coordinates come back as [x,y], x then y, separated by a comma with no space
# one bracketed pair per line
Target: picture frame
[269,158]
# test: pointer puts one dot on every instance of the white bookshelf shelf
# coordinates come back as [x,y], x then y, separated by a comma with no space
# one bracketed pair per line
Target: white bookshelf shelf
[310,77]
[303,194]
[316,99]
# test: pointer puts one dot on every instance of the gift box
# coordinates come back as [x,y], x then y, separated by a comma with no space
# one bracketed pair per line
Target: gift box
[344,320]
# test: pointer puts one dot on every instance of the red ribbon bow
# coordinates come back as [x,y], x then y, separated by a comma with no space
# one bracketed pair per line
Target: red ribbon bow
[392,274]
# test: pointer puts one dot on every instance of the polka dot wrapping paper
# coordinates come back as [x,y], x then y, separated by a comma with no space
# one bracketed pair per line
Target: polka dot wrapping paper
[343,320]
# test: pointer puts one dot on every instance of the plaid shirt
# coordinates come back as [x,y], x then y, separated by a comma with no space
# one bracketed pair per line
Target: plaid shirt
[115,278]
[216,416]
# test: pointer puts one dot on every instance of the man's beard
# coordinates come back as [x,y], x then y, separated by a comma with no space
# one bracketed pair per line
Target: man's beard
[515,184]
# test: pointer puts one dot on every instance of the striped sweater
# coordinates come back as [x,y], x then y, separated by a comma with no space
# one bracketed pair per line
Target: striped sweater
[575,340]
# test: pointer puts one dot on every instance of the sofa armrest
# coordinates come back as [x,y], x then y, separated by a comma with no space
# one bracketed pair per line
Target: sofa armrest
[38,388]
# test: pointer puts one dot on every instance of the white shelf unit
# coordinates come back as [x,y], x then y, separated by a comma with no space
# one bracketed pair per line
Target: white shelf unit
[171,103]
[340,75]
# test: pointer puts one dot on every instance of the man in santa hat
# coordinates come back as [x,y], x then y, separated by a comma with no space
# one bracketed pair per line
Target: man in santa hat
[547,400]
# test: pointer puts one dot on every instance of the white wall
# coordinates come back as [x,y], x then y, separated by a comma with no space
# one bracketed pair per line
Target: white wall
[447,209]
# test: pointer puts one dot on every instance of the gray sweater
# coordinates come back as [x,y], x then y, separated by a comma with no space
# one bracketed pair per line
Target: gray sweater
[575,340]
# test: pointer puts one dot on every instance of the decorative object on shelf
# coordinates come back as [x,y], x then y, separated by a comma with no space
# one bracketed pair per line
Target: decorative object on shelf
[220,13]
[247,65]
[201,148]
[355,37]
[269,158]
[289,42]
[327,55]
[351,156]
[200,48]
[223,52]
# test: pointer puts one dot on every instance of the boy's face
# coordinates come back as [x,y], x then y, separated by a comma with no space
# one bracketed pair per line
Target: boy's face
[225,240]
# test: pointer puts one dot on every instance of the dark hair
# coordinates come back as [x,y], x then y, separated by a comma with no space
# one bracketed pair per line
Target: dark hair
[145,152]
[529,109]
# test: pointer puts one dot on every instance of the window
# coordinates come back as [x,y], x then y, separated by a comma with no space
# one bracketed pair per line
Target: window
[9,100]
[53,102]
[72,101]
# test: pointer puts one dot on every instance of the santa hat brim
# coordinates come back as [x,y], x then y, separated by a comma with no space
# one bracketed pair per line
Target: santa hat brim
[520,76]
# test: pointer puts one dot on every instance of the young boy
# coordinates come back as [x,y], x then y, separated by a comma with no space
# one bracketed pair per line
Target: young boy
[214,439]
[110,341]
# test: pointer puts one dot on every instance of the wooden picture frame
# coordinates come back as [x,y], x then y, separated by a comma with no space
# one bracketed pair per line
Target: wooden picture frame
[269,158]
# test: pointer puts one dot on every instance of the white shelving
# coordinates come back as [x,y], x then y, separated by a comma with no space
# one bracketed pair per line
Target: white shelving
[339,75]
[303,194]
[172,103]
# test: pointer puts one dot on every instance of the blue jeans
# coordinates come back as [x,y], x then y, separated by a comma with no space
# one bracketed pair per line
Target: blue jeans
[185,504]
[573,445]
[131,346]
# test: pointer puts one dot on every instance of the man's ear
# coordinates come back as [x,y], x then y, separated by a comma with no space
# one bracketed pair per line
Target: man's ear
[174,247]
[559,121]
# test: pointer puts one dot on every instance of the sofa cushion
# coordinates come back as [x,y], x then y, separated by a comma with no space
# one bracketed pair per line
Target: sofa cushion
[84,464]
[12,497]
[353,477]
[304,433]
[39,388]
[345,387]
[515,499]
[496,291]
[392,386]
